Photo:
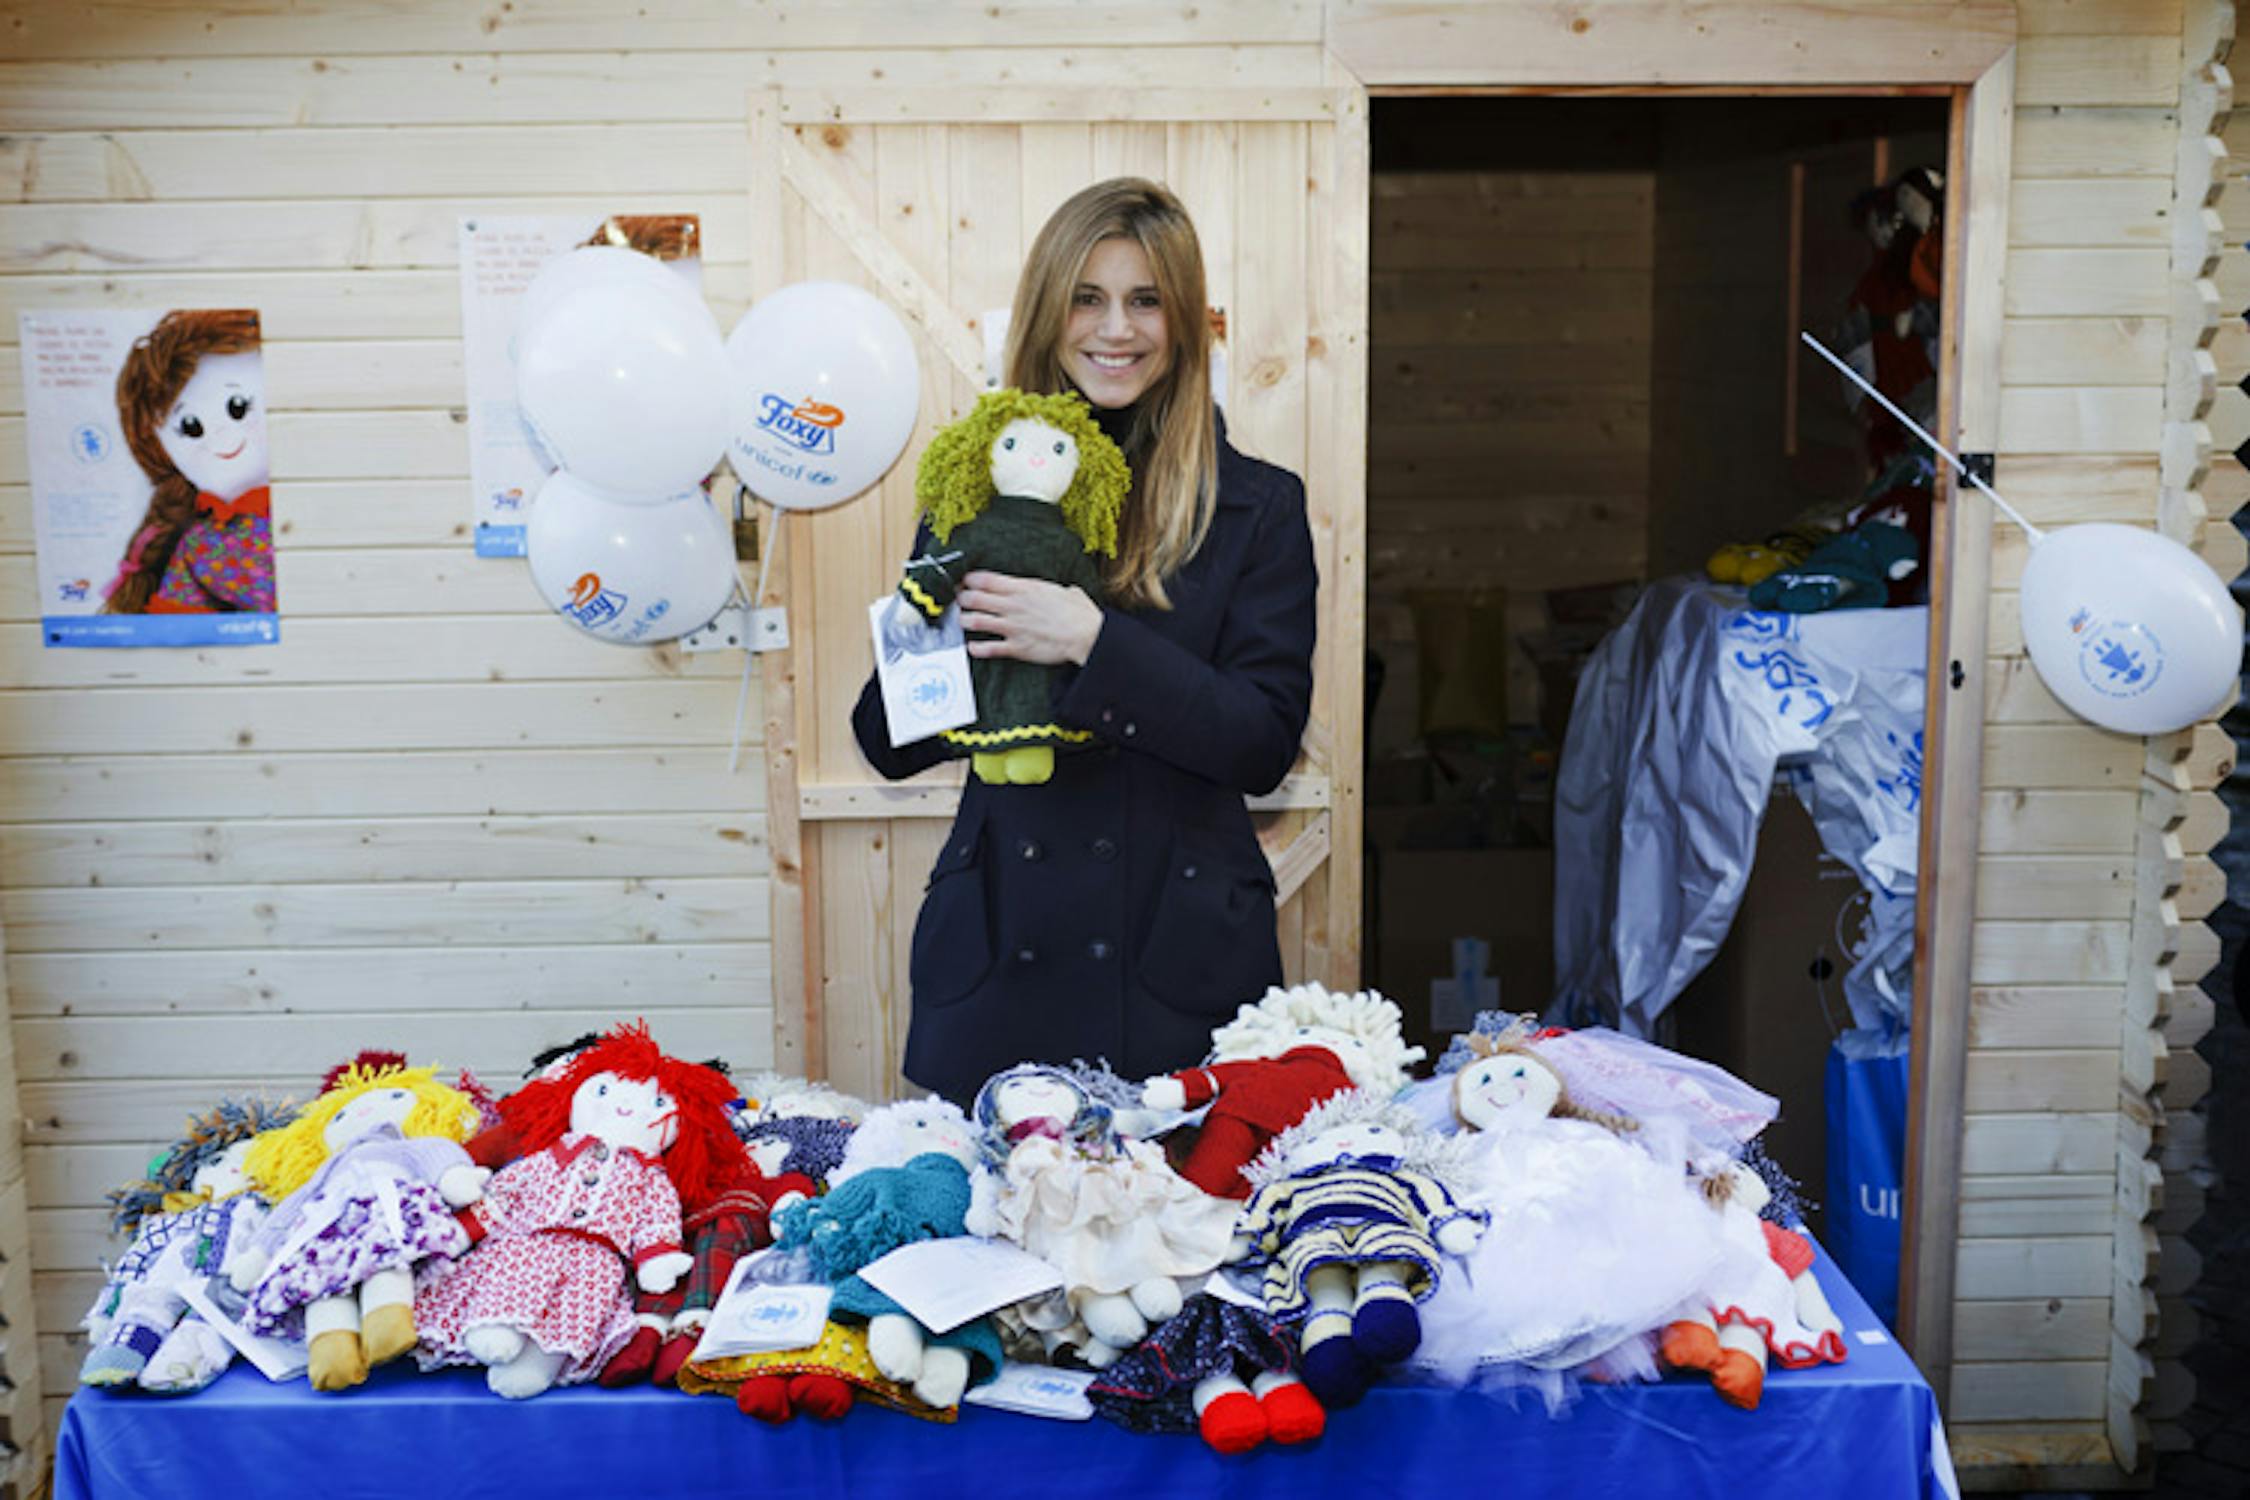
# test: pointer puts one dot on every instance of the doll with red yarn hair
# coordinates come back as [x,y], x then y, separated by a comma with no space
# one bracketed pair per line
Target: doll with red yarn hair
[587,1212]
[191,401]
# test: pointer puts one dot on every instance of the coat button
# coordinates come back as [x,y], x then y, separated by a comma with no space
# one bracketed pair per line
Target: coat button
[590,1180]
[1131,730]
[601,1151]
[579,1212]
[1187,872]
[1029,849]
[962,852]
[1027,955]
[1097,950]
[1104,849]
[1109,716]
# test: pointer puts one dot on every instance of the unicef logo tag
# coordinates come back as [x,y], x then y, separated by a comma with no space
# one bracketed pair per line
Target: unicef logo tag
[2120,659]
[929,692]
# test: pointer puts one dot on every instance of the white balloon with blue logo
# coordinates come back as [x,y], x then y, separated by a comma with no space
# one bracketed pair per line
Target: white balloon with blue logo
[2128,628]
[631,575]
[826,390]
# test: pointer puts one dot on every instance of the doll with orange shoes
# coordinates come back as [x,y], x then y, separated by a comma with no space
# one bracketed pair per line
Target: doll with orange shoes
[1762,1301]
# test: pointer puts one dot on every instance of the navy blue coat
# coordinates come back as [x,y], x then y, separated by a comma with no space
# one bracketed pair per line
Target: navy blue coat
[1124,908]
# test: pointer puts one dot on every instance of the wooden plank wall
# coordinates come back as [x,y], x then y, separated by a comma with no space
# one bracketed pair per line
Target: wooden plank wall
[2091,878]
[1509,339]
[432,815]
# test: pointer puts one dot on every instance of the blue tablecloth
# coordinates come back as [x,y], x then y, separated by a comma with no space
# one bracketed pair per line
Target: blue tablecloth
[1866,1428]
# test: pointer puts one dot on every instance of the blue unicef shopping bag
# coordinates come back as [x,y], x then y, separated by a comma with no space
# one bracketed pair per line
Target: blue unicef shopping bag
[1867,1083]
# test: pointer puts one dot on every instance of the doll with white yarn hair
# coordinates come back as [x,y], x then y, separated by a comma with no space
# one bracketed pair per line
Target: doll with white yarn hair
[1355,1210]
[1276,1059]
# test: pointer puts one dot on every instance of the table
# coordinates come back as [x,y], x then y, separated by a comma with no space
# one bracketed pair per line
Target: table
[1866,1428]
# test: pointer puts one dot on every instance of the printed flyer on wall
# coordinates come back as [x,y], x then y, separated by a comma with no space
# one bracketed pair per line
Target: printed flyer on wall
[500,254]
[145,433]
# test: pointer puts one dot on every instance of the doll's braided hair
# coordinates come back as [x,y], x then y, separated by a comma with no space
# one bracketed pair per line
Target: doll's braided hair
[156,370]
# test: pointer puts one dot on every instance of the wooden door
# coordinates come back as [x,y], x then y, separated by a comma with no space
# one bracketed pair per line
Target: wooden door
[930,198]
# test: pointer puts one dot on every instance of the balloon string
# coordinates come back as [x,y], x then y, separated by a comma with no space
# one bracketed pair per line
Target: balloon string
[769,542]
[1915,427]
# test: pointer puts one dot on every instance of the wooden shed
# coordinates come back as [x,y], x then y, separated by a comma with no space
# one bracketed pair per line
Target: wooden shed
[433,816]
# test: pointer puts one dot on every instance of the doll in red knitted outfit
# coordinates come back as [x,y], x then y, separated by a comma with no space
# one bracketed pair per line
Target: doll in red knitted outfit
[1271,1064]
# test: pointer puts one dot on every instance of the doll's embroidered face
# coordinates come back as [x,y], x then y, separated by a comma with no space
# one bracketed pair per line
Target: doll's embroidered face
[1506,1089]
[222,1176]
[367,1114]
[951,1137]
[629,1113]
[1115,342]
[1036,1096]
[1034,459]
[215,433]
[1366,1141]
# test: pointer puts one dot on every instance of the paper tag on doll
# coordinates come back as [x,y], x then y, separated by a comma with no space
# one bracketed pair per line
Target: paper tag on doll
[1037,1391]
[946,1282]
[924,670]
[755,1318]
[275,1359]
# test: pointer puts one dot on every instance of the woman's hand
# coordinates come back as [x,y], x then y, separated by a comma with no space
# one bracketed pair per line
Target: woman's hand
[1034,620]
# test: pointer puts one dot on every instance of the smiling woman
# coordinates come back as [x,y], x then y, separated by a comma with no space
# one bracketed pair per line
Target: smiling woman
[1120,906]
[191,398]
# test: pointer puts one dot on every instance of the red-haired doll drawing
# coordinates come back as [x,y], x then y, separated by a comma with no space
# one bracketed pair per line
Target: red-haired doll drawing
[191,399]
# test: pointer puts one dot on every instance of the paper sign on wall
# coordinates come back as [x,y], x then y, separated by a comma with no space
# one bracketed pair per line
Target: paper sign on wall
[145,435]
[500,254]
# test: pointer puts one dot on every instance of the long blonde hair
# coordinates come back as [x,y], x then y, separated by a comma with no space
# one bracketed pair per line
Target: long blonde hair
[1173,446]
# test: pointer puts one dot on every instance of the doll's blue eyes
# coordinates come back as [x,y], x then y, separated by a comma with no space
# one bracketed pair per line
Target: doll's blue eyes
[1009,443]
[191,427]
[1058,448]
[238,407]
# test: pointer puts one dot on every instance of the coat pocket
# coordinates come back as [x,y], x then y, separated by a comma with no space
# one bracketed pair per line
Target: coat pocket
[1211,943]
[953,936]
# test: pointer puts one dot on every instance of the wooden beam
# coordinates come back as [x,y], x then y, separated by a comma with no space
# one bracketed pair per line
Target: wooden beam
[1945,901]
[1660,42]
[883,104]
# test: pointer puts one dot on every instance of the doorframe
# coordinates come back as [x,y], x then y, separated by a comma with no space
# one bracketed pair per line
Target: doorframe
[1978,175]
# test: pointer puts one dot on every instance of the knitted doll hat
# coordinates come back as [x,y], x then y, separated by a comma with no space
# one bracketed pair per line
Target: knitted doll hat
[206,1139]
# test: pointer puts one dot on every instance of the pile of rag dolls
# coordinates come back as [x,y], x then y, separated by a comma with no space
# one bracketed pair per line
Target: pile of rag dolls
[1242,1247]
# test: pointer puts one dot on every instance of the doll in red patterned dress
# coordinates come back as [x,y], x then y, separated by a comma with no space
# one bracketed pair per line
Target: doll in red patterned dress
[587,1213]
[191,398]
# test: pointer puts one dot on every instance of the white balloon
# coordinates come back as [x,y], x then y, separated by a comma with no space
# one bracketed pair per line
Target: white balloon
[826,391]
[596,266]
[2129,629]
[626,387]
[629,574]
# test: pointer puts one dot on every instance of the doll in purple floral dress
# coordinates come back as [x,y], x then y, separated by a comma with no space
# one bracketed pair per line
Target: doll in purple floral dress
[364,1186]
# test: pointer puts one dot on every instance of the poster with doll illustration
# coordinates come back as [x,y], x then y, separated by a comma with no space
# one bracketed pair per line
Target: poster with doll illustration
[500,255]
[145,435]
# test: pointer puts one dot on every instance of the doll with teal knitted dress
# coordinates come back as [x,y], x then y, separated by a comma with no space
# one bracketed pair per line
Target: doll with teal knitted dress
[1026,485]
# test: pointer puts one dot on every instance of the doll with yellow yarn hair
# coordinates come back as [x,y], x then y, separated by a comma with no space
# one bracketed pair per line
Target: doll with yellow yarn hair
[364,1186]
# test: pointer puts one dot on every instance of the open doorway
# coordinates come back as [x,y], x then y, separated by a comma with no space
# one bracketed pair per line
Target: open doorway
[1583,380]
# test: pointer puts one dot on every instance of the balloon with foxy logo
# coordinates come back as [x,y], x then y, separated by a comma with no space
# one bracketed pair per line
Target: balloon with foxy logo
[826,388]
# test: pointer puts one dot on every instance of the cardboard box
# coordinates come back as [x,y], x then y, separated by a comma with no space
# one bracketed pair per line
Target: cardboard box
[1426,898]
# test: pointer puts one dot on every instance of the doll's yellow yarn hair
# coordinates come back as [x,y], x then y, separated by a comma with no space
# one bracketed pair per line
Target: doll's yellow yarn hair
[282,1161]
[953,482]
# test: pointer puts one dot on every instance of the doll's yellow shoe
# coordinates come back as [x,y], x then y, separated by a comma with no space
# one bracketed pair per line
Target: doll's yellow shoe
[1031,765]
[387,1332]
[991,766]
[337,1361]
